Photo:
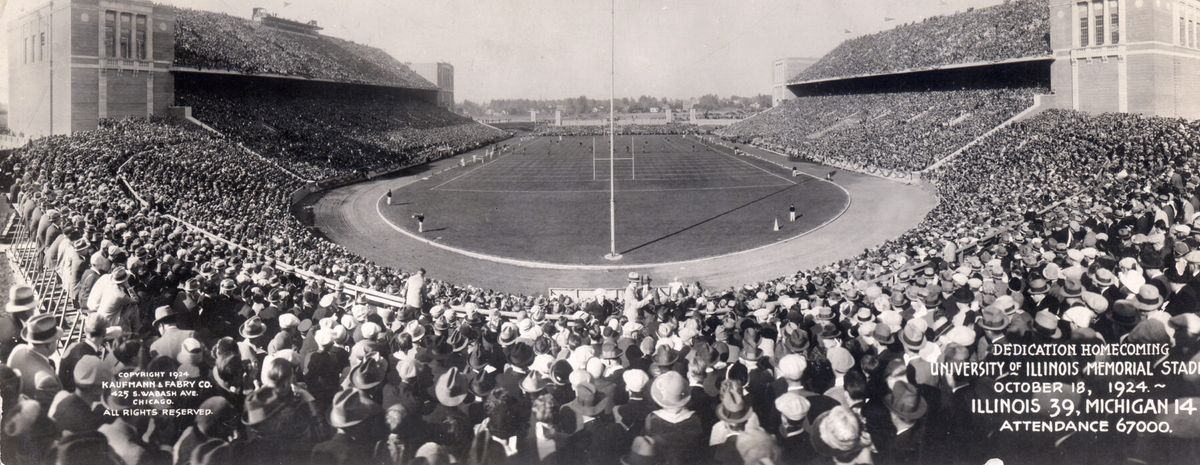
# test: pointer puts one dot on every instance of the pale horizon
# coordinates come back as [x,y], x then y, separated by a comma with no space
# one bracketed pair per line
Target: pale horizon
[547,49]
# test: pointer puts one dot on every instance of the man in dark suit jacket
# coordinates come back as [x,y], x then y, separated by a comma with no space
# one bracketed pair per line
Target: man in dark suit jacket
[897,425]
[353,416]
[94,330]
[520,356]
[600,441]
[600,307]
[219,314]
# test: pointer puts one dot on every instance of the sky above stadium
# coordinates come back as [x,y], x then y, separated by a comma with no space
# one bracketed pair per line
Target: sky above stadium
[560,48]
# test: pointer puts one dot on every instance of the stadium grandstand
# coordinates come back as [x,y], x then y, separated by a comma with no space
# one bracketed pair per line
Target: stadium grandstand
[153,232]
[895,132]
[214,41]
[321,133]
[1013,30]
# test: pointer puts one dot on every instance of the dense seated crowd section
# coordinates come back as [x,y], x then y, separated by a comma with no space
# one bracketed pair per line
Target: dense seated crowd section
[320,136]
[902,131]
[206,40]
[1061,229]
[1013,29]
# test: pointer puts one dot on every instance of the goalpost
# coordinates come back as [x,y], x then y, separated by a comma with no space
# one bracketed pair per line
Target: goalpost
[632,159]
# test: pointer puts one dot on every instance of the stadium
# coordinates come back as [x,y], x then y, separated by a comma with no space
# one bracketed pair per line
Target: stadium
[343,268]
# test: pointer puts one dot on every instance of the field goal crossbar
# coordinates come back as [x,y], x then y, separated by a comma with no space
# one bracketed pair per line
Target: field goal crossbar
[632,161]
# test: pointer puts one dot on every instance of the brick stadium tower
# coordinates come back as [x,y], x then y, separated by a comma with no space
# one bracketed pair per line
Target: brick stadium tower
[74,62]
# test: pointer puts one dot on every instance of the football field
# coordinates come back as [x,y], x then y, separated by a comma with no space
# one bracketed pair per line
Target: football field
[547,200]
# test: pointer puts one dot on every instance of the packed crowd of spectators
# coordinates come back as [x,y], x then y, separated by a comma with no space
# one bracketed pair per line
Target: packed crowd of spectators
[325,135]
[1061,229]
[208,40]
[902,131]
[1013,29]
[622,129]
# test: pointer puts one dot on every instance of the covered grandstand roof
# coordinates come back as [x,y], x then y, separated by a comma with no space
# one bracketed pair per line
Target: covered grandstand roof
[1013,30]
[206,40]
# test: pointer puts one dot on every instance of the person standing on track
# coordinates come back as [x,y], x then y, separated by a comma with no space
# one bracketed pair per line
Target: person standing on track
[420,217]
[414,293]
[795,172]
[792,213]
[389,197]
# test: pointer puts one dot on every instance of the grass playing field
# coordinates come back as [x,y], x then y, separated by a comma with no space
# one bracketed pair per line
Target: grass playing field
[677,199]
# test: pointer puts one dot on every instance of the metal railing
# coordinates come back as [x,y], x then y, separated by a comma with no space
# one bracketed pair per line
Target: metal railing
[28,260]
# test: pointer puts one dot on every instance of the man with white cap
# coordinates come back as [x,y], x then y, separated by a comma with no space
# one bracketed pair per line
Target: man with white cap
[632,414]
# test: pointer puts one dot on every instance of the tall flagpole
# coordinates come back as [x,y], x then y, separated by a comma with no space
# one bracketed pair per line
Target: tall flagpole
[612,138]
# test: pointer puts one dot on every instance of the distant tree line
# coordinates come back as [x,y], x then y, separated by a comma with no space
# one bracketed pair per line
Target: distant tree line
[583,105]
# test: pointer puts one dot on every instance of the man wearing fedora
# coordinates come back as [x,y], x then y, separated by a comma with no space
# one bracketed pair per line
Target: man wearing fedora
[449,418]
[520,356]
[21,303]
[41,334]
[170,337]
[593,435]
[281,418]
[191,299]
[897,425]
[353,442]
